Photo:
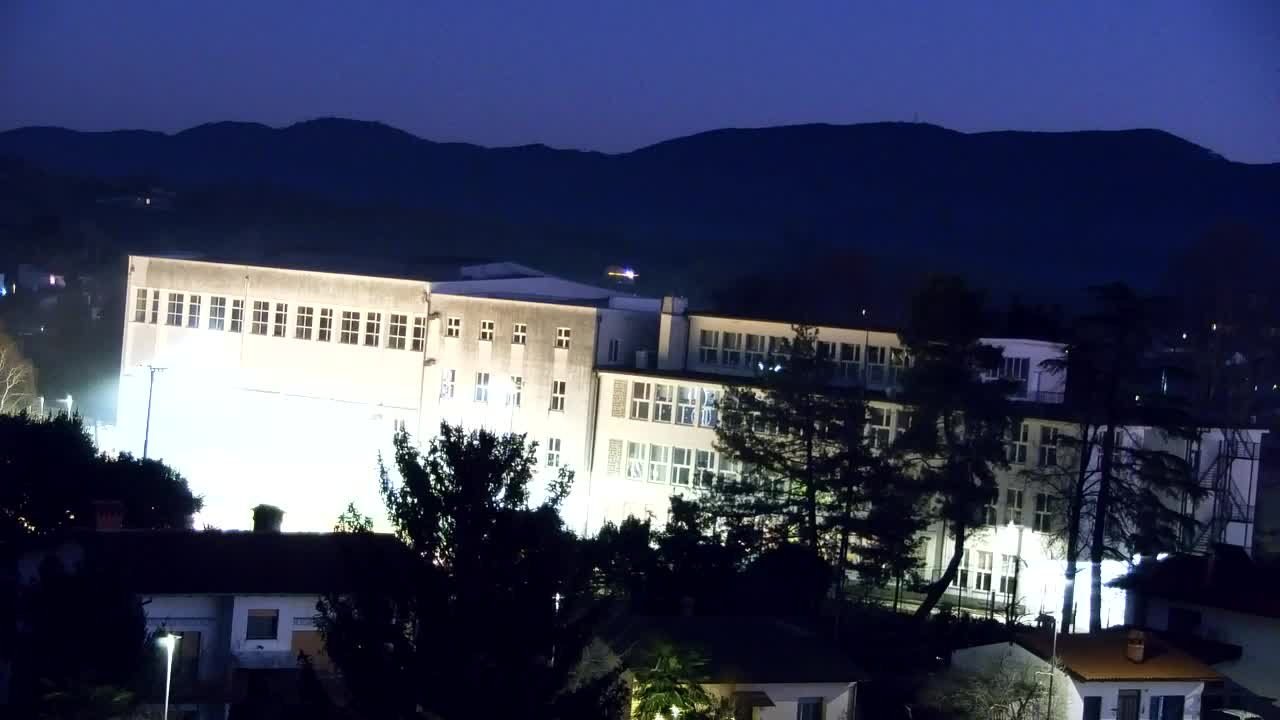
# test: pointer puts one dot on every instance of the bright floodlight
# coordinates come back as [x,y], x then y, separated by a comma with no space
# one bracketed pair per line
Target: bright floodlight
[168,640]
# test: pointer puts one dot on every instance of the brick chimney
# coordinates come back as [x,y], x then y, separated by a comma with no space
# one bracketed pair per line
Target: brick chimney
[108,515]
[267,519]
[1136,647]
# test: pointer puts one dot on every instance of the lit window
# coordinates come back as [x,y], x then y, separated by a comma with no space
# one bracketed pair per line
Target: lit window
[710,413]
[282,320]
[217,312]
[731,349]
[708,346]
[514,392]
[990,516]
[396,331]
[349,333]
[303,325]
[155,306]
[615,349]
[325,332]
[519,333]
[681,466]
[372,329]
[1018,448]
[261,312]
[557,395]
[662,403]
[237,315]
[419,334]
[982,579]
[174,316]
[262,625]
[140,306]
[1008,573]
[1042,521]
[659,462]
[562,338]
[704,465]
[640,395]
[482,388]
[553,452]
[686,405]
[193,311]
[453,327]
[1048,446]
[962,577]
[448,381]
[1013,507]
[637,460]
[486,330]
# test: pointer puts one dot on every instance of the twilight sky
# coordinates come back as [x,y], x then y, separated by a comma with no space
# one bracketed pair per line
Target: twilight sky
[615,75]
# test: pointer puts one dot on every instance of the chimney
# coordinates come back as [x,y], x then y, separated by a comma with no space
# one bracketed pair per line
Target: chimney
[108,515]
[267,519]
[1136,647]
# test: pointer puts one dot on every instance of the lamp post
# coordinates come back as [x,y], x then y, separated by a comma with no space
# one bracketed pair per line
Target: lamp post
[151,387]
[168,641]
[1053,664]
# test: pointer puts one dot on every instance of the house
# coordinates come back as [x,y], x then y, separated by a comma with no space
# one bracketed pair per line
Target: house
[1224,602]
[768,668]
[1120,673]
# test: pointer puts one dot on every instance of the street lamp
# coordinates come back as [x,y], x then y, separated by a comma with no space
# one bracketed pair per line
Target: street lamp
[151,387]
[168,641]
[68,401]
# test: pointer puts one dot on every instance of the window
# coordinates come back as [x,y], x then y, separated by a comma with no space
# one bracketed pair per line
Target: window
[513,392]
[1015,370]
[155,306]
[419,334]
[659,460]
[615,350]
[731,469]
[878,420]
[562,338]
[989,511]
[905,419]
[349,334]
[557,395]
[448,381]
[217,312]
[875,364]
[898,363]
[237,315]
[519,333]
[140,306]
[262,625]
[325,333]
[1048,446]
[850,356]
[453,327]
[174,316]
[686,405]
[756,347]
[553,452]
[826,351]
[396,330]
[482,387]
[708,346]
[282,320]
[1041,521]
[710,412]
[1008,574]
[1013,507]
[302,325]
[982,579]
[261,312]
[681,466]
[193,311]
[962,577]
[486,330]
[1167,707]
[779,349]
[704,466]
[662,407]
[372,329]
[731,349]
[809,709]
[1092,708]
[637,460]
[640,395]
[1018,448]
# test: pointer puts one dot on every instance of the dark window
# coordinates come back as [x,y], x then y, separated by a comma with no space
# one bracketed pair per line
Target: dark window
[1092,708]
[262,625]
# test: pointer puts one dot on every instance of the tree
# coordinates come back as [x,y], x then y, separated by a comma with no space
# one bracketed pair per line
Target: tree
[1005,689]
[17,378]
[961,418]
[498,596]
[672,687]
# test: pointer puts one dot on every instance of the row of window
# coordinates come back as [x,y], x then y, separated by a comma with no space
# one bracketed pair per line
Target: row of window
[716,347]
[678,404]
[1047,449]
[519,332]
[1011,512]
[680,466]
[976,572]
[511,391]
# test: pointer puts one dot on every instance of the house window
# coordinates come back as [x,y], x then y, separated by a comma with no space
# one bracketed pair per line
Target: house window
[140,306]
[615,350]
[1016,370]
[261,313]
[662,403]
[193,311]
[1040,522]
[809,708]
[282,320]
[1167,707]
[513,392]
[1048,446]
[898,363]
[396,331]
[710,412]
[372,329]
[875,363]
[419,334]
[1012,507]
[482,387]
[453,327]
[686,405]
[217,312]
[850,356]
[681,466]
[237,315]
[659,461]
[486,330]
[878,421]
[989,511]
[155,306]
[1092,708]
[640,396]
[562,338]
[1008,574]
[303,322]
[519,333]
[325,332]
[349,334]
[756,347]
[557,395]
[553,452]
[826,351]
[704,466]
[962,576]
[448,383]
[262,625]
[708,346]
[731,349]
[174,316]
[982,578]
[637,460]
[1018,448]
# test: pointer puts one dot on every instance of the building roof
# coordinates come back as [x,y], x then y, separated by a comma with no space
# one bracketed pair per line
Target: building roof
[736,649]
[1227,578]
[182,562]
[1101,657]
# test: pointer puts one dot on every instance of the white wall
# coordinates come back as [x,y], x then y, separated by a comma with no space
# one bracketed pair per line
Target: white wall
[836,698]
[297,612]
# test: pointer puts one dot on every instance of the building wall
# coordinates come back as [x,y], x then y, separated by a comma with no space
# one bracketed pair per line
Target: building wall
[836,698]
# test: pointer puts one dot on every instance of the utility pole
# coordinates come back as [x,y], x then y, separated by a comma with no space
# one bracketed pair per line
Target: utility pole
[151,387]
